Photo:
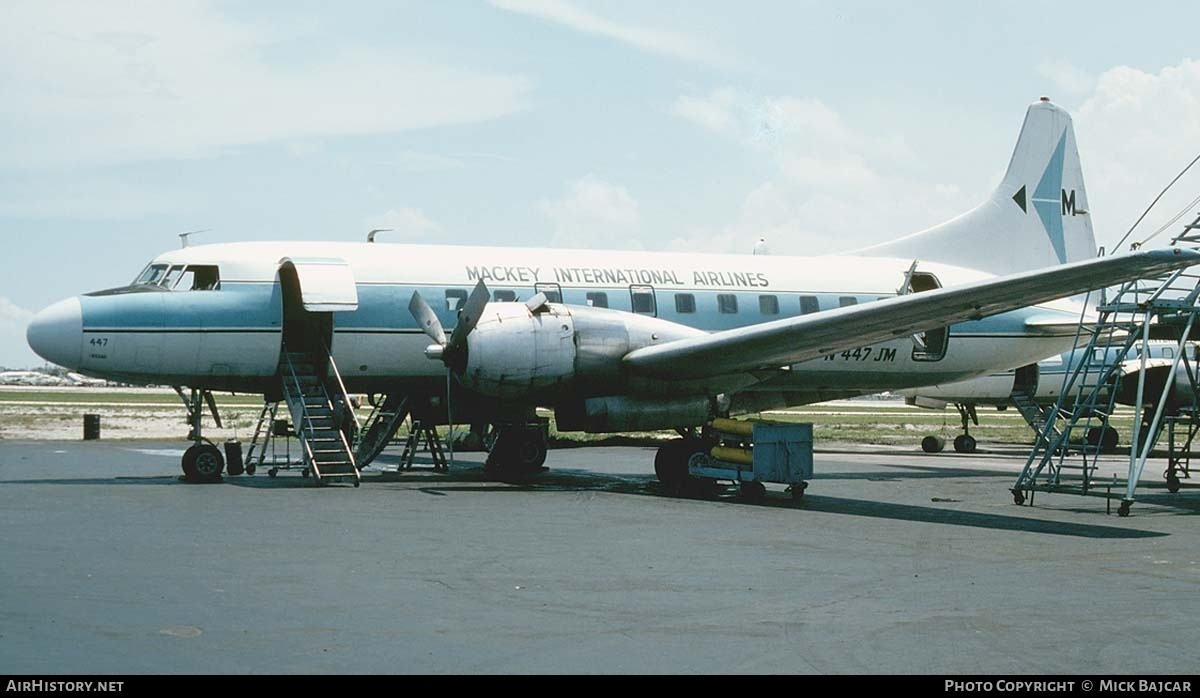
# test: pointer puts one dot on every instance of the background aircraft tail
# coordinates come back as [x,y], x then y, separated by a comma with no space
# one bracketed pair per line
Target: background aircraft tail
[1037,217]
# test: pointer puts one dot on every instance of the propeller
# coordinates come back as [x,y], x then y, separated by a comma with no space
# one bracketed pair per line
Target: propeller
[451,352]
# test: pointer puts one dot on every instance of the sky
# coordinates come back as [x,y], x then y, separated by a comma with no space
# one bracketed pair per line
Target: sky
[666,125]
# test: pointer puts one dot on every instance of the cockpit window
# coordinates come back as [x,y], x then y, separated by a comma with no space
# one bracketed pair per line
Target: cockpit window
[178,277]
[198,277]
[172,275]
[152,274]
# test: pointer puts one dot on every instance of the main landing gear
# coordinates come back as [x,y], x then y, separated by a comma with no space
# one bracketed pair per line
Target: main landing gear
[202,462]
[671,465]
[518,450]
[964,442]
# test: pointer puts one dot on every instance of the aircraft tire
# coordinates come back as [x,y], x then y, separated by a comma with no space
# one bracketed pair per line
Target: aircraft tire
[964,443]
[933,444]
[1106,438]
[203,463]
[753,491]
[671,464]
[531,454]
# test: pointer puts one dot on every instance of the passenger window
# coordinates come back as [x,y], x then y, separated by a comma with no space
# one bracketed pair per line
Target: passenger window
[597,299]
[1168,353]
[847,301]
[768,305]
[455,298]
[685,303]
[726,303]
[642,299]
[809,304]
[505,296]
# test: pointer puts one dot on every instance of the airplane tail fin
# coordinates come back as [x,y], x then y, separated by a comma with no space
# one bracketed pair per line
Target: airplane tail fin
[1037,217]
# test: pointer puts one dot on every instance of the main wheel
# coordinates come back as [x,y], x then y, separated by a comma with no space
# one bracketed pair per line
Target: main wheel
[531,454]
[933,444]
[671,464]
[964,443]
[1106,438]
[1018,497]
[753,491]
[516,454]
[203,463]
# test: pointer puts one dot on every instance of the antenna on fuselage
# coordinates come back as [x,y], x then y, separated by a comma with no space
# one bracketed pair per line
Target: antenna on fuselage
[183,237]
[371,235]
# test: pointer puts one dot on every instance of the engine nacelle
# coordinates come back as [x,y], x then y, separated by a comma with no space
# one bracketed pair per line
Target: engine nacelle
[514,352]
[556,351]
[1157,373]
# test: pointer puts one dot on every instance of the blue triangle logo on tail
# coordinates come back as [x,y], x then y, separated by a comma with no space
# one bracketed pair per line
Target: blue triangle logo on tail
[1047,199]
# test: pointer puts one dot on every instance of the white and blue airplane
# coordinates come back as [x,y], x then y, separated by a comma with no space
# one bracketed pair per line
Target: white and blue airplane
[611,341]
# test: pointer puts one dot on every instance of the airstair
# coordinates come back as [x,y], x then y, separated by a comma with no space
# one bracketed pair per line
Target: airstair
[1065,457]
[321,414]
[1035,415]
[390,411]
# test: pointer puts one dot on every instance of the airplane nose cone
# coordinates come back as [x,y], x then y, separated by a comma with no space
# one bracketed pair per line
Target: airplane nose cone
[56,333]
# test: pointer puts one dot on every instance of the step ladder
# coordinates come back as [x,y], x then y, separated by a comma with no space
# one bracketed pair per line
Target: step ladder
[426,432]
[322,413]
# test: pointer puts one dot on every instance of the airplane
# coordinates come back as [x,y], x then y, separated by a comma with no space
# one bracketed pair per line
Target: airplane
[610,341]
[1035,387]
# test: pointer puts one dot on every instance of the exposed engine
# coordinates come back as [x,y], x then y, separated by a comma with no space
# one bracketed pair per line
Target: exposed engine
[543,352]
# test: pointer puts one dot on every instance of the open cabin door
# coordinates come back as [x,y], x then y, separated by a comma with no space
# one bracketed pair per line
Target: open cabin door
[929,345]
[312,290]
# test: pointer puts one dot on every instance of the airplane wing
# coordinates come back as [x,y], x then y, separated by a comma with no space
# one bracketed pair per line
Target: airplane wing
[770,345]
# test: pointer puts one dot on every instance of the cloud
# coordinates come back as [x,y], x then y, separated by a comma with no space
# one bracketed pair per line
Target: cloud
[1136,131]
[89,83]
[650,40]
[715,111]
[830,187]
[14,352]
[593,213]
[407,223]
[1066,78]
[88,198]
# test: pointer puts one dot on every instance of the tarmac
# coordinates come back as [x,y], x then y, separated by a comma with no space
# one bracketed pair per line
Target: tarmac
[895,561]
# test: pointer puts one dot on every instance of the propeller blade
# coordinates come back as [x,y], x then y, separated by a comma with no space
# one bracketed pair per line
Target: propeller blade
[469,314]
[426,318]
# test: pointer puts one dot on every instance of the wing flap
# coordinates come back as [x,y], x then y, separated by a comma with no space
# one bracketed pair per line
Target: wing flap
[792,340]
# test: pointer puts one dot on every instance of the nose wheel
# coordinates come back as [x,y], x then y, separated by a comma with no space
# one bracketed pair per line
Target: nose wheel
[203,463]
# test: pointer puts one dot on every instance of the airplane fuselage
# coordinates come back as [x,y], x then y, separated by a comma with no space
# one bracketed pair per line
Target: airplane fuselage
[229,337]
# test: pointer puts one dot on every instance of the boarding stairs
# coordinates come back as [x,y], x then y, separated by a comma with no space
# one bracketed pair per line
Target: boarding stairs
[321,414]
[1119,337]
[1035,415]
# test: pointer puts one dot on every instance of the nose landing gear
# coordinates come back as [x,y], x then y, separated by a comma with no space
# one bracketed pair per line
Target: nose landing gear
[202,462]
